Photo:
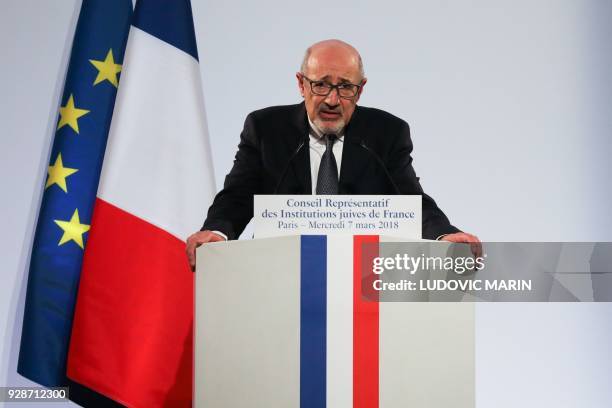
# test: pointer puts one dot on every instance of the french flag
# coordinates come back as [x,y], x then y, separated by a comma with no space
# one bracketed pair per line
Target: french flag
[283,322]
[132,336]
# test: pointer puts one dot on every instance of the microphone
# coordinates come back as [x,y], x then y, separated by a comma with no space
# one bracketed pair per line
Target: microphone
[381,163]
[291,158]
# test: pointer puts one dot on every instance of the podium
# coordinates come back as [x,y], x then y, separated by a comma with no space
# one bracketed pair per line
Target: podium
[281,322]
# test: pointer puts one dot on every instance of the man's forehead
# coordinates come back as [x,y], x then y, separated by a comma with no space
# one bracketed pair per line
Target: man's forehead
[330,68]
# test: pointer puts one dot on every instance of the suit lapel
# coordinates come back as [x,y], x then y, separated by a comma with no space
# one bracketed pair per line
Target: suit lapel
[301,163]
[355,159]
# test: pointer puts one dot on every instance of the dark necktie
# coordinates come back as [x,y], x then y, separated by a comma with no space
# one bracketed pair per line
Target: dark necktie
[327,180]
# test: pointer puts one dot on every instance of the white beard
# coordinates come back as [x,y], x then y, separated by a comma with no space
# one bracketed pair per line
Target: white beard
[326,127]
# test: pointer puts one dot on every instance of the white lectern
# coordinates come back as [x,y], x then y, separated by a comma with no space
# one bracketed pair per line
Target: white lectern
[280,322]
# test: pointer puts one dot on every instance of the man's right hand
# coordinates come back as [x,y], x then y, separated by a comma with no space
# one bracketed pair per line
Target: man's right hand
[197,239]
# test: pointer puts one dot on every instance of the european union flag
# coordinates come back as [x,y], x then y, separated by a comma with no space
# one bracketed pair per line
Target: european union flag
[76,158]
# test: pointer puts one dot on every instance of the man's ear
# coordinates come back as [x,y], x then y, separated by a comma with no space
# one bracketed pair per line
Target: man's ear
[298,75]
[363,82]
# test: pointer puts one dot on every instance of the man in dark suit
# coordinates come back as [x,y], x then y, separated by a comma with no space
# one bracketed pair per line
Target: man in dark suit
[325,145]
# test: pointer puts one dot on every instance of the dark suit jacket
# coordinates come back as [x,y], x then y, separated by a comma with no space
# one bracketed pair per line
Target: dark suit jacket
[271,135]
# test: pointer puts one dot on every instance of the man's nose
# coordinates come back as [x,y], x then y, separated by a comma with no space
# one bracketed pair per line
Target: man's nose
[333,98]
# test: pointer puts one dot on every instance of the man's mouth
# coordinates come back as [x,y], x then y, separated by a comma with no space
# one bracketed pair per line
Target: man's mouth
[329,114]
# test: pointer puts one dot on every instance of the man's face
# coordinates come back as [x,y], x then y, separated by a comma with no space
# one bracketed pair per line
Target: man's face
[334,66]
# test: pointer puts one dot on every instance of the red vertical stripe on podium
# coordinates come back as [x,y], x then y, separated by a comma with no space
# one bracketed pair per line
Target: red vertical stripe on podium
[365,324]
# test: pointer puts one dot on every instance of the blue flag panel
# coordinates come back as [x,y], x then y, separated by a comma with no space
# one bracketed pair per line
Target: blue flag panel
[70,189]
[170,21]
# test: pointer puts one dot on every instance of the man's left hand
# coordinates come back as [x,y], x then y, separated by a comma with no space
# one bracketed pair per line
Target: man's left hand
[463,237]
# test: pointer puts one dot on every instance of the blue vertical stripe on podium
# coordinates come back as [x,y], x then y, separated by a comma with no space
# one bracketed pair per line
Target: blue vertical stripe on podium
[313,321]
[70,190]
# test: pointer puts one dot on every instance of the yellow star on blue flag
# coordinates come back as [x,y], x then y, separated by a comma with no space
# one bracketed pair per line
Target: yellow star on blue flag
[69,115]
[107,69]
[73,230]
[58,173]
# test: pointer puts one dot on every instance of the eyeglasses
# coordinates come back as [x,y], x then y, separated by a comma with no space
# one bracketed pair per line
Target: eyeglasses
[322,88]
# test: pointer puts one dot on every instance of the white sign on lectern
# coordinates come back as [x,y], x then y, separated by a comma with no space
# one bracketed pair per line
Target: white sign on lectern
[392,215]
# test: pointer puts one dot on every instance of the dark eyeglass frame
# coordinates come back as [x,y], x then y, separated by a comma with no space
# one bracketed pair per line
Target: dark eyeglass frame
[332,87]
